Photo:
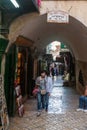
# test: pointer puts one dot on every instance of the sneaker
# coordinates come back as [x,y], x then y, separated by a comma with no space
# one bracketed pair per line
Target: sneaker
[85,110]
[39,113]
[79,109]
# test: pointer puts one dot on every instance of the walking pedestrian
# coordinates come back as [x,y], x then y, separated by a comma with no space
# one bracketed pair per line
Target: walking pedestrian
[41,83]
[52,72]
[48,89]
[83,101]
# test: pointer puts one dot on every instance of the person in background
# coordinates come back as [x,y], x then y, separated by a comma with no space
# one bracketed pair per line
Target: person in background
[48,89]
[55,70]
[41,84]
[65,73]
[83,101]
[52,72]
[67,76]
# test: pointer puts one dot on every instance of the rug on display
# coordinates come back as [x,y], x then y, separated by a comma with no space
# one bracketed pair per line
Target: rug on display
[4,120]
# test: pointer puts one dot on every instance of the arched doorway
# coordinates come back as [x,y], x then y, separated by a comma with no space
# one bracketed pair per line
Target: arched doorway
[35,27]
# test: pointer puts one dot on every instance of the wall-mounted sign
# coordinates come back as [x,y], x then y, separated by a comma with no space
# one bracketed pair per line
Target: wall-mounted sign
[58,17]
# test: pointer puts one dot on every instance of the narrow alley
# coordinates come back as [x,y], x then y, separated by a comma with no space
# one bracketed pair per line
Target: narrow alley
[40,39]
[62,114]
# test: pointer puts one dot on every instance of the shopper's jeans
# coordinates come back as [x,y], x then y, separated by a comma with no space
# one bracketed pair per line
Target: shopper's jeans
[47,100]
[83,102]
[40,101]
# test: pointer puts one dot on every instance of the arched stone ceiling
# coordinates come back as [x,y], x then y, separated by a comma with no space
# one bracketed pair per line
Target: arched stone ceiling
[36,28]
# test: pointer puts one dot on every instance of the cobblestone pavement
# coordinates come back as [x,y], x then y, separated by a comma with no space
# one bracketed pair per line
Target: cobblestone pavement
[62,114]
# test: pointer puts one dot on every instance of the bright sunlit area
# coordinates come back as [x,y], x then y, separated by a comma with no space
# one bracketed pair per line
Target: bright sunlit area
[55,48]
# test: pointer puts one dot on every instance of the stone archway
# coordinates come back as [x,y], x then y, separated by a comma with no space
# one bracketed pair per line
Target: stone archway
[36,28]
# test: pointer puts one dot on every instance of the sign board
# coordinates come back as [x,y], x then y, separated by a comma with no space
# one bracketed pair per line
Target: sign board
[63,46]
[58,17]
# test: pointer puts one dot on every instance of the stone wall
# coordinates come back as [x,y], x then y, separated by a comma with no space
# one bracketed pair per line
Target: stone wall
[80,65]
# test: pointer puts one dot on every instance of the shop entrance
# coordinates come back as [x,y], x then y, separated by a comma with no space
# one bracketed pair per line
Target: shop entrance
[24,73]
[9,78]
[18,73]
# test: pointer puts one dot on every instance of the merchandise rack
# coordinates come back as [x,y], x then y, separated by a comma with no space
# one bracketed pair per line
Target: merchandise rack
[3,107]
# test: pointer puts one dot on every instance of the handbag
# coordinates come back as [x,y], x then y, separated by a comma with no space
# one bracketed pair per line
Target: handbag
[43,92]
[35,91]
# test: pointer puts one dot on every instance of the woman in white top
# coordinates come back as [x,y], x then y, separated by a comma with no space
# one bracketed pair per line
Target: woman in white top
[48,89]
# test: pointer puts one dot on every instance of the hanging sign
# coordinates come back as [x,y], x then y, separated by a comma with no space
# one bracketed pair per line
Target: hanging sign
[58,17]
